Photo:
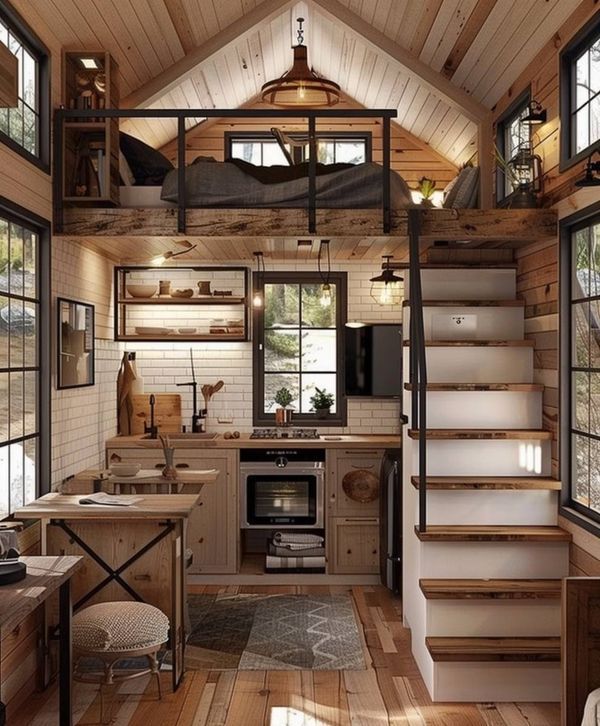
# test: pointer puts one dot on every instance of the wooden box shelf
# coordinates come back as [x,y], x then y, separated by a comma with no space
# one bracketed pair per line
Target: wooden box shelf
[162,316]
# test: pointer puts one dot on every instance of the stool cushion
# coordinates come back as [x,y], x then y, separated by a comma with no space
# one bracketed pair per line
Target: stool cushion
[119,626]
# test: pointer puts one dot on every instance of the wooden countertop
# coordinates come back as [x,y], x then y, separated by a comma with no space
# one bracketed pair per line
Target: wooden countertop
[148,506]
[327,441]
[44,576]
[150,476]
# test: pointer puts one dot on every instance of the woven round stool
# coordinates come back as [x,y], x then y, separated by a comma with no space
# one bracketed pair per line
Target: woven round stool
[113,632]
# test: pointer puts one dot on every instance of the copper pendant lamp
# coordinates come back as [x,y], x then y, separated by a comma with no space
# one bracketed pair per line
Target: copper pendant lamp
[301,86]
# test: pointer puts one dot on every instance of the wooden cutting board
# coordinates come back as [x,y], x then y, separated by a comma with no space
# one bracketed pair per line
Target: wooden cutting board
[167,412]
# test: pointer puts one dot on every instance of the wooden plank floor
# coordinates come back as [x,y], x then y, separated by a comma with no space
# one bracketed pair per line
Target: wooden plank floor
[390,693]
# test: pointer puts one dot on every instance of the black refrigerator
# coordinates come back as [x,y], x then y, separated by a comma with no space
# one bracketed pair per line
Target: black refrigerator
[390,520]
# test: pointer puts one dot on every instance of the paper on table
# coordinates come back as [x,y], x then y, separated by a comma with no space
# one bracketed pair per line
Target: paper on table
[110,500]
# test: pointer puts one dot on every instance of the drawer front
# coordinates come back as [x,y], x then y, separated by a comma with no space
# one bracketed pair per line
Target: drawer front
[355,545]
[354,475]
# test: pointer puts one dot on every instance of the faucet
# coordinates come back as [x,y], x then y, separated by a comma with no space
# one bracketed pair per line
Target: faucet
[198,416]
[152,429]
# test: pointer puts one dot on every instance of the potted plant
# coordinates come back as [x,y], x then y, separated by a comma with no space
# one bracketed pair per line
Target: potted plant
[283,414]
[321,401]
[426,187]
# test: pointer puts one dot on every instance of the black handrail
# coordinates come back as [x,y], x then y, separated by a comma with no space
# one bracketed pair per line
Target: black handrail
[62,115]
[418,359]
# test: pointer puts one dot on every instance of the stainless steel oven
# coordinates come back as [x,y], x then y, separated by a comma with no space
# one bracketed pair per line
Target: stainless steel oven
[282,487]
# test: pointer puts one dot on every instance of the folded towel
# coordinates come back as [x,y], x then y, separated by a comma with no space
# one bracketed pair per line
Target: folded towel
[303,563]
[287,551]
[286,538]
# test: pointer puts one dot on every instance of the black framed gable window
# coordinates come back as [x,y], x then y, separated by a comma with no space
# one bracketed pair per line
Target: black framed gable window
[512,134]
[26,128]
[580,95]
[298,345]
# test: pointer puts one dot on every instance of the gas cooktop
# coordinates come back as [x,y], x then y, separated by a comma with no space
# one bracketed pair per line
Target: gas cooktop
[282,433]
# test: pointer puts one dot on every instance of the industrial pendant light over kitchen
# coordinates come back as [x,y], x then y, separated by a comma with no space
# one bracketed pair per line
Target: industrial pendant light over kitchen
[386,288]
[301,86]
[257,299]
[326,295]
[170,254]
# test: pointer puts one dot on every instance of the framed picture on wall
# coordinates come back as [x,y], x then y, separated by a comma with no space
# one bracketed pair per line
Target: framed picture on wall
[75,344]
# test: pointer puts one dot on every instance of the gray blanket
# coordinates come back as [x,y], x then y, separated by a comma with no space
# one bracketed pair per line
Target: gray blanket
[219,184]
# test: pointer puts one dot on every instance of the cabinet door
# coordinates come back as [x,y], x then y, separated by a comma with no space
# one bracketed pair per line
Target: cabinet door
[354,474]
[212,529]
[355,545]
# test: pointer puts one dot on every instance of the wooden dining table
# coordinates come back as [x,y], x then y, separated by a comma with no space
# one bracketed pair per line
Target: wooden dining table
[134,552]
[45,576]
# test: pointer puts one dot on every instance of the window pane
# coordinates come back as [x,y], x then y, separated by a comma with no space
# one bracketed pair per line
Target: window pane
[15,381]
[16,259]
[319,350]
[247,151]
[582,94]
[581,401]
[314,314]
[16,322]
[272,154]
[31,456]
[3,332]
[582,129]
[30,425]
[30,348]
[594,119]
[595,403]
[4,255]
[325,152]
[350,152]
[276,381]
[4,474]
[595,334]
[581,264]
[281,305]
[4,401]
[282,350]
[29,80]
[29,263]
[17,478]
[580,464]
[581,335]
[312,381]
[595,68]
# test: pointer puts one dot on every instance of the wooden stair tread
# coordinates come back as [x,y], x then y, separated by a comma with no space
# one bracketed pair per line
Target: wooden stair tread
[522,387]
[471,589]
[526,343]
[457,266]
[484,434]
[489,482]
[508,303]
[492,533]
[494,649]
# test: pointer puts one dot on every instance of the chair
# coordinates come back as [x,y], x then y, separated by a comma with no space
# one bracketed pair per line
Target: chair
[116,631]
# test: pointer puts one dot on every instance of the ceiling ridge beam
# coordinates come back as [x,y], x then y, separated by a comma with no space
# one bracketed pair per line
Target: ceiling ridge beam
[172,76]
[436,82]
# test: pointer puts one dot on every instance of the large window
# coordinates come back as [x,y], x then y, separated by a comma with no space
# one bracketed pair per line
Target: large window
[23,383]
[25,128]
[297,345]
[580,95]
[512,135]
[263,150]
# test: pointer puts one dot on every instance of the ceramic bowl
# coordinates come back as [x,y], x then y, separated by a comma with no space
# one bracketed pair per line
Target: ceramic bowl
[124,469]
[141,290]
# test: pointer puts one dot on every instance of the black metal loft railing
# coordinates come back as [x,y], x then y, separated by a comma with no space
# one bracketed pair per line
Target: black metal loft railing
[62,116]
[418,360]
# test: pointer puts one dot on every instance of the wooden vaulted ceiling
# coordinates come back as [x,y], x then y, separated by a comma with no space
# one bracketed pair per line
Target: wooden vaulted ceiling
[436,61]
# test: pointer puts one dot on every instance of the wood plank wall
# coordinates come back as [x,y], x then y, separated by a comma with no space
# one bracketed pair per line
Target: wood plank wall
[538,281]
[410,157]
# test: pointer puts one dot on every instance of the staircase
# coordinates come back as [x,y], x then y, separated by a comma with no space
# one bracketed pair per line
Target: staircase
[482,579]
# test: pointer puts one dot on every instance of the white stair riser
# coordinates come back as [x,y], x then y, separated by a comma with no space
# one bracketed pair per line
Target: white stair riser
[493,618]
[496,682]
[477,364]
[466,284]
[491,507]
[478,457]
[484,409]
[493,323]
[512,560]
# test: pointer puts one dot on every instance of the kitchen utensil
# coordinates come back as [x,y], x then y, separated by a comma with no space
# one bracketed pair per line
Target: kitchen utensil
[208,391]
[361,486]
[204,287]
[167,412]
[125,469]
[187,292]
[141,290]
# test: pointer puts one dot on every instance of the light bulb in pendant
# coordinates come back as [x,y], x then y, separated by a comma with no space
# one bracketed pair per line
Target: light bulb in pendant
[325,299]
[257,301]
[385,296]
[301,92]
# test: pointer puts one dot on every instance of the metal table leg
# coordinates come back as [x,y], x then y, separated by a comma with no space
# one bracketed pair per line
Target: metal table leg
[65,673]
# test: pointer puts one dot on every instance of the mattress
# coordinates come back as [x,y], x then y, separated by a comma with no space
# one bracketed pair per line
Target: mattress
[132,196]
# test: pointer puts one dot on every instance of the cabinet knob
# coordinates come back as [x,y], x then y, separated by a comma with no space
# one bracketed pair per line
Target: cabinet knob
[374,552]
[349,552]
[182,466]
[159,466]
[201,540]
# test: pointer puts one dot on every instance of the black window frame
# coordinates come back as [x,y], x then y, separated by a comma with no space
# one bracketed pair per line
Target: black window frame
[582,40]
[36,47]
[366,136]
[17,214]
[515,109]
[340,280]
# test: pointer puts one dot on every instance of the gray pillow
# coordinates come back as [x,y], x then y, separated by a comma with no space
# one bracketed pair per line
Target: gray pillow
[461,192]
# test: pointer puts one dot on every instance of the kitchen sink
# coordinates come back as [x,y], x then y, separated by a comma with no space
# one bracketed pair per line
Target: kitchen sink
[189,436]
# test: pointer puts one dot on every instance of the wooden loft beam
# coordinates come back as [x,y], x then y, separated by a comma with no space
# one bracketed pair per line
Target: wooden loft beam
[175,74]
[436,82]
[9,75]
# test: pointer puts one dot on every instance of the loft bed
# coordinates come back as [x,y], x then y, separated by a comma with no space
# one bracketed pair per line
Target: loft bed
[366,200]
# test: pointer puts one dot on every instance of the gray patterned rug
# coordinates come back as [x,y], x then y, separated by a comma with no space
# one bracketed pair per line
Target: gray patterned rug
[273,632]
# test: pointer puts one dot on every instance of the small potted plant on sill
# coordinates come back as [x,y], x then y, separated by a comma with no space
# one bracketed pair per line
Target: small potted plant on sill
[426,187]
[283,414]
[321,401]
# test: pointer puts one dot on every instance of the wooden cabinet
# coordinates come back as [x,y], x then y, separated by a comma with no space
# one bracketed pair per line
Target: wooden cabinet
[213,531]
[342,467]
[353,545]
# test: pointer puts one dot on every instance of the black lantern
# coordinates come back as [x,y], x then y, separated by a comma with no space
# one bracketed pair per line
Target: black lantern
[386,288]
[536,114]
[590,178]
[526,171]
